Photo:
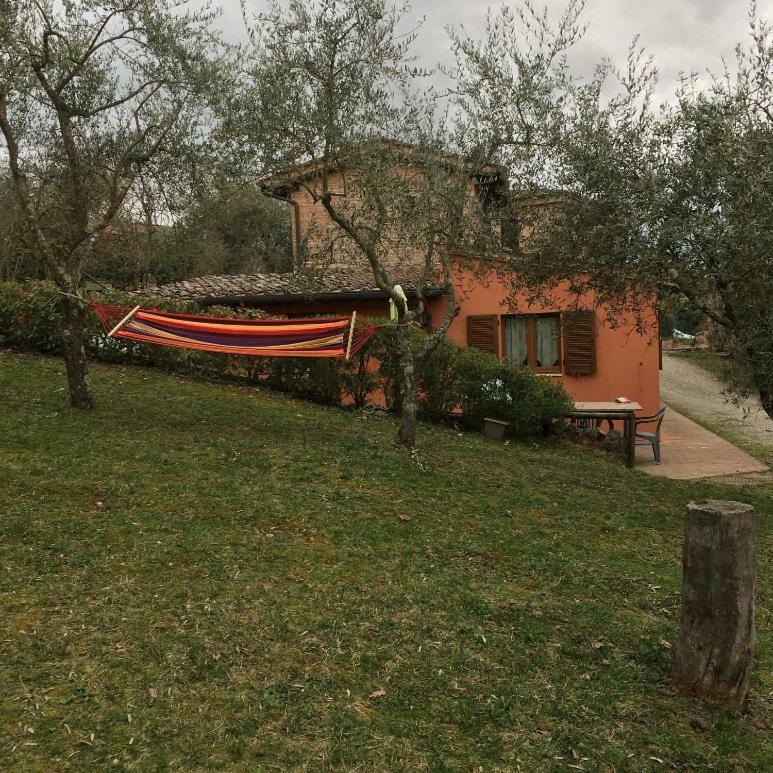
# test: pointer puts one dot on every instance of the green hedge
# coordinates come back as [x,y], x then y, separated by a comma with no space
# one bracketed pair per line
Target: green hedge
[478,383]
[502,389]
[453,377]
[30,320]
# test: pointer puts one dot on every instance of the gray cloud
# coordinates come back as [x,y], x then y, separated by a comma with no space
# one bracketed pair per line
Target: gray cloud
[683,35]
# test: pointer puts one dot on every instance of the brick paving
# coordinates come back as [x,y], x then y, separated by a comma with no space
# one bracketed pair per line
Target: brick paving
[690,452]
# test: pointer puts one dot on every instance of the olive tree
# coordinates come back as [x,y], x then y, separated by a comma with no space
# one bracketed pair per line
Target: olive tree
[667,201]
[407,178]
[228,228]
[99,101]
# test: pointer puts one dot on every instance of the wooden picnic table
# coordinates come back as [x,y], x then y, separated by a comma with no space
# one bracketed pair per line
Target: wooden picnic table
[625,412]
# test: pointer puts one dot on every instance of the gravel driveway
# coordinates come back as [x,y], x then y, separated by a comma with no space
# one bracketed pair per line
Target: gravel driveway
[691,389]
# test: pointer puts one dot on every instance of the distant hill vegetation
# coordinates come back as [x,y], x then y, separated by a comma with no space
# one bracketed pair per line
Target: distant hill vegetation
[232,230]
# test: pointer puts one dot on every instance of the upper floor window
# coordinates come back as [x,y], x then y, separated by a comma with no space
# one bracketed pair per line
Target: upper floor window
[511,234]
[534,341]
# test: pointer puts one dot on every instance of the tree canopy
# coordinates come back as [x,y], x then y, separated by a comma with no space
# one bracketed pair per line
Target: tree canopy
[409,177]
[669,201]
[104,104]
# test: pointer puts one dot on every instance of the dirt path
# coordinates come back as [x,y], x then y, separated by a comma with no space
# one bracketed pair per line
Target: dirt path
[691,389]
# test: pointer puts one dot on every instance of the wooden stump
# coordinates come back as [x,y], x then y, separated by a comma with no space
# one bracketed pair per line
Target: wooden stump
[715,646]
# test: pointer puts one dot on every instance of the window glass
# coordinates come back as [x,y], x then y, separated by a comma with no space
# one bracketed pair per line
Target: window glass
[547,354]
[515,340]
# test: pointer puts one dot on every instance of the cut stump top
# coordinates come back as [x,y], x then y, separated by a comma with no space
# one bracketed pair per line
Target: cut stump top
[719,507]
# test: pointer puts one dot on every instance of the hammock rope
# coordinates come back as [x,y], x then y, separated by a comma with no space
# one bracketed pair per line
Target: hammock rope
[315,337]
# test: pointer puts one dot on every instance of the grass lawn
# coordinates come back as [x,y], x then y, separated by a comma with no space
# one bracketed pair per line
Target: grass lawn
[197,576]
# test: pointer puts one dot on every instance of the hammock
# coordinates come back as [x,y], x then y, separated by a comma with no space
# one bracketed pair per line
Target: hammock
[320,337]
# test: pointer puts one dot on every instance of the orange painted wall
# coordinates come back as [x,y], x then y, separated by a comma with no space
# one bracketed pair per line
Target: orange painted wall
[627,363]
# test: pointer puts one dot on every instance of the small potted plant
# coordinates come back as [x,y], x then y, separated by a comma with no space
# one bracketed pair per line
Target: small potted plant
[499,400]
[495,429]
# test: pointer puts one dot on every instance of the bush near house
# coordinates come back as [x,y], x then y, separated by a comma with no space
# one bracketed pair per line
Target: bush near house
[452,378]
[478,383]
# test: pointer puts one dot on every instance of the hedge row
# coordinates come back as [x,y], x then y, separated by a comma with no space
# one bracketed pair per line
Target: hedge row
[454,377]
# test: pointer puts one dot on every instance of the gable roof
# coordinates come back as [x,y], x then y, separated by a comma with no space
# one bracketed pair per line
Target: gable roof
[283,181]
[335,284]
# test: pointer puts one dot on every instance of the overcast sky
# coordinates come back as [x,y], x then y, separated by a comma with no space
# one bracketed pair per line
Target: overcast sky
[683,35]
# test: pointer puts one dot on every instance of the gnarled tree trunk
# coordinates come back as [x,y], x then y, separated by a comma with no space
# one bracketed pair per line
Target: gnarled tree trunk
[766,399]
[407,431]
[715,647]
[73,327]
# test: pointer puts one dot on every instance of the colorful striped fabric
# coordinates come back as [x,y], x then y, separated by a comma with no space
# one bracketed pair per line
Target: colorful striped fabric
[320,337]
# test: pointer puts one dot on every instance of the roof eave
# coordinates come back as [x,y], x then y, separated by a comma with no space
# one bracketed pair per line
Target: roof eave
[357,295]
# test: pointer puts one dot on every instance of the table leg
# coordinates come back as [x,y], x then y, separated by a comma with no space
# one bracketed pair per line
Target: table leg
[630,441]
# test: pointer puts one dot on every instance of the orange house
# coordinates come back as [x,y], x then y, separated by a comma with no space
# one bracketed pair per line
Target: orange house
[594,360]
[570,339]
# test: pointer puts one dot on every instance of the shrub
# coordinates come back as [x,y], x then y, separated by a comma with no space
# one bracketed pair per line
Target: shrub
[359,376]
[318,380]
[477,382]
[452,376]
[30,318]
[383,351]
[504,390]
[439,381]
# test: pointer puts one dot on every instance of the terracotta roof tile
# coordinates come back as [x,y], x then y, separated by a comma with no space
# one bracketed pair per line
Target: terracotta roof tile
[343,282]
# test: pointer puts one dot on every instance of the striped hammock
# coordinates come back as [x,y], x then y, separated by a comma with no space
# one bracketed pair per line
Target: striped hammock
[320,337]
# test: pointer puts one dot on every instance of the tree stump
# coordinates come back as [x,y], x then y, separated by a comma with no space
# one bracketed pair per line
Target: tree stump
[715,646]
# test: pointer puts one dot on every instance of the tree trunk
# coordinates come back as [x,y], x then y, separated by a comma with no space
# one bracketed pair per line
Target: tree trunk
[758,364]
[407,431]
[766,399]
[715,646]
[75,354]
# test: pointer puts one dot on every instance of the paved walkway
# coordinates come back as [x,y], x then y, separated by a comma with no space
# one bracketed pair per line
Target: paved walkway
[688,387]
[690,452]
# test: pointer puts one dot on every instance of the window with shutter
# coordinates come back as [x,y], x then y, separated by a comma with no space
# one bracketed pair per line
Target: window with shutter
[483,332]
[579,343]
[534,340]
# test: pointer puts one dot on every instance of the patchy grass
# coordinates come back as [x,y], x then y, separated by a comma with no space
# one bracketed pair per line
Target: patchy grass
[195,576]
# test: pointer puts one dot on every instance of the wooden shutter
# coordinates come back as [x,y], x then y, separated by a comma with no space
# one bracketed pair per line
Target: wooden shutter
[579,342]
[483,332]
